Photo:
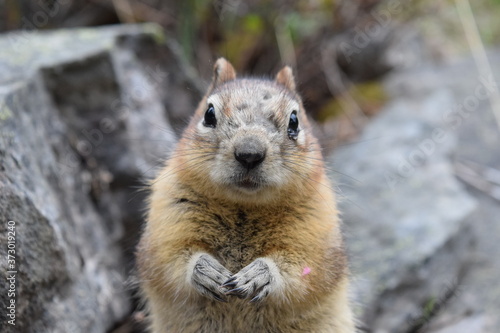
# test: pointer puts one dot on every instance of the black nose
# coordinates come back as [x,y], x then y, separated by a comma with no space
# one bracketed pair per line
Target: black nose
[250,153]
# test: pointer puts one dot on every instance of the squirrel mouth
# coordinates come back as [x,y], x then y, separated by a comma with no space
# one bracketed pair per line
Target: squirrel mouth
[248,184]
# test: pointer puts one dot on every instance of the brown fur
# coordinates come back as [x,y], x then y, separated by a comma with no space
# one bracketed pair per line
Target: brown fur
[293,221]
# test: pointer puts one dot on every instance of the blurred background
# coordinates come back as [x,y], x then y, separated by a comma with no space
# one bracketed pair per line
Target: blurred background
[403,96]
[340,49]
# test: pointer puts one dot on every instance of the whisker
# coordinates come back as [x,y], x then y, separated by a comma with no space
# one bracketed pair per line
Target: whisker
[352,143]
[161,128]
[309,181]
[333,170]
[201,157]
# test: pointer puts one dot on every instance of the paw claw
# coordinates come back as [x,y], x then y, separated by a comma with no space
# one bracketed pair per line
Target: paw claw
[253,282]
[235,291]
[220,299]
[229,282]
[255,299]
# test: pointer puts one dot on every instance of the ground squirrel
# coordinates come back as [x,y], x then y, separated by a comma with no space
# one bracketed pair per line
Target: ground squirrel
[243,233]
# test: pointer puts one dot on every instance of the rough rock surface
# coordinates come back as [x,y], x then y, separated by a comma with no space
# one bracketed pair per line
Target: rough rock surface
[423,244]
[82,123]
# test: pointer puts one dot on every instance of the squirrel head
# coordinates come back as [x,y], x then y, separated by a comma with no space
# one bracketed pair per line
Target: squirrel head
[249,140]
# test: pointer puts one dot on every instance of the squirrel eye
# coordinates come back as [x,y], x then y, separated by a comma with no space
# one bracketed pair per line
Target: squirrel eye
[210,120]
[293,126]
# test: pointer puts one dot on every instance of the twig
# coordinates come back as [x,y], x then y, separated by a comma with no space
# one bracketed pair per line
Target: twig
[285,43]
[124,11]
[140,12]
[482,178]
[490,174]
[335,83]
[478,51]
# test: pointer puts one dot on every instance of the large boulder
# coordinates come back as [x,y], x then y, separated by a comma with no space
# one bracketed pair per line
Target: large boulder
[423,244]
[83,124]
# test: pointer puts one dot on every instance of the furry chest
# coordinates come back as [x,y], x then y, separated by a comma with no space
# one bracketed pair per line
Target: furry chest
[237,240]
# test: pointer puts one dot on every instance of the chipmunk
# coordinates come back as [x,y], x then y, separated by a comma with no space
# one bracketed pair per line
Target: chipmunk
[242,233]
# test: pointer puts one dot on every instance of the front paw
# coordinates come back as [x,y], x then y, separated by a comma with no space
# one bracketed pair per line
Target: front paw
[207,276]
[256,281]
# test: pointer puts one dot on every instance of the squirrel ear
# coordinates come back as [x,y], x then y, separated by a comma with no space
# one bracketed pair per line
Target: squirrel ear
[223,71]
[285,77]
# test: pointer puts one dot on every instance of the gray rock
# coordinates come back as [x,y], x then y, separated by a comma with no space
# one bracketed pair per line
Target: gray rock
[83,124]
[423,245]
[477,323]
[478,135]
[401,207]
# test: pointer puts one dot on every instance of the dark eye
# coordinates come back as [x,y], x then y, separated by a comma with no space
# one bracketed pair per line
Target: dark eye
[210,120]
[293,126]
